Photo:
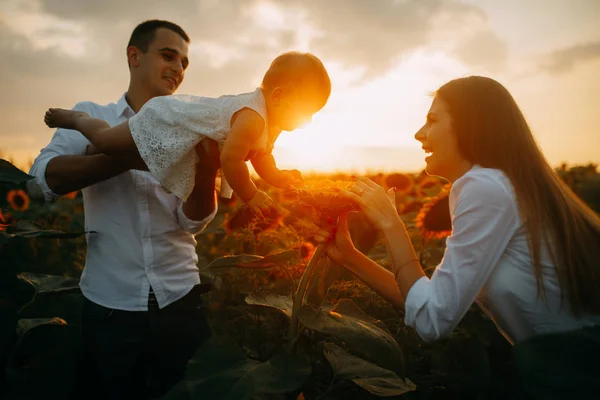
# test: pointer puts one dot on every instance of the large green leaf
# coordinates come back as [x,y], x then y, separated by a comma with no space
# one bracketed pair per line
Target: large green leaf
[259,329]
[253,261]
[220,370]
[44,362]
[11,174]
[25,325]
[28,229]
[53,296]
[16,291]
[363,335]
[283,303]
[44,283]
[376,380]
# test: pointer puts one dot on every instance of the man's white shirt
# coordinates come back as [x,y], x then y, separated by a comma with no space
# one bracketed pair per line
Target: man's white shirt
[142,237]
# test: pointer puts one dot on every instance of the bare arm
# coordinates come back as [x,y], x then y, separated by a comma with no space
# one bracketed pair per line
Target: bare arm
[67,173]
[265,166]
[406,269]
[245,130]
[203,199]
[376,277]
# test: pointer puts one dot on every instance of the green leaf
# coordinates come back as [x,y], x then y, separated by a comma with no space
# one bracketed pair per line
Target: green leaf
[220,370]
[283,303]
[374,379]
[16,291]
[44,283]
[29,229]
[26,324]
[53,296]
[11,174]
[259,329]
[44,362]
[361,333]
[253,261]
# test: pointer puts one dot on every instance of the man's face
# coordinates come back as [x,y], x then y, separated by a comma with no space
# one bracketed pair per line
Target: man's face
[161,69]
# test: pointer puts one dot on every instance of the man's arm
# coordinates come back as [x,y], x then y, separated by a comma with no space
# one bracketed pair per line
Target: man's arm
[246,129]
[63,166]
[67,173]
[203,199]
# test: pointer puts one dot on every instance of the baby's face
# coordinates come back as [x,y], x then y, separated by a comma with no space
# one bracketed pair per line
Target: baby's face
[293,113]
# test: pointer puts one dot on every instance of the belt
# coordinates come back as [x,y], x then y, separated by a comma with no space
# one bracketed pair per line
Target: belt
[197,290]
[152,302]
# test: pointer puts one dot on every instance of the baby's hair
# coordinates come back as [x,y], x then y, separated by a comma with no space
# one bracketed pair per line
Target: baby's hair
[303,70]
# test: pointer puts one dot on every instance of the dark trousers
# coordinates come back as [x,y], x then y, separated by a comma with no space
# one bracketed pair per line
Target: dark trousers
[139,354]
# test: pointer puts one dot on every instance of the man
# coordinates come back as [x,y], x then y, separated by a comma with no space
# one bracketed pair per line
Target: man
[142,317]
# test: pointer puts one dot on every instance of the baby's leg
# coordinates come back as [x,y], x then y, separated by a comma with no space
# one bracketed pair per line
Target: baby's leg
[106,139]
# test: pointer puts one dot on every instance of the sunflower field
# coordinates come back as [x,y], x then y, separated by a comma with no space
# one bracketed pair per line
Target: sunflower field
[287,323]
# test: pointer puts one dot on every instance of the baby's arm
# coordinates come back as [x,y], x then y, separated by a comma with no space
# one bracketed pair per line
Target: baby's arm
[265,166]
[246,128]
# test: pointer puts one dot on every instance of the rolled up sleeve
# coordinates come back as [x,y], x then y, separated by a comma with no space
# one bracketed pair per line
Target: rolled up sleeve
[191,226]
[64,142]
[484,219]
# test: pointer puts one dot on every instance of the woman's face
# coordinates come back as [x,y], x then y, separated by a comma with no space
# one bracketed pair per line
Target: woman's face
[438,139]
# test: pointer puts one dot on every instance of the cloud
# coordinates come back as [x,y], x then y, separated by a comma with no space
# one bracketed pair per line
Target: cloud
[564,60]
[483,49]
[371,35]
[59,52]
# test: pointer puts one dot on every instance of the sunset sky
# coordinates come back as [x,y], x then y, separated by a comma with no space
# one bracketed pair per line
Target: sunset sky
[384,58]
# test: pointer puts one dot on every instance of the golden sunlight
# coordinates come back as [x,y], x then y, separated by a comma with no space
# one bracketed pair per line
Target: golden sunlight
[383,112]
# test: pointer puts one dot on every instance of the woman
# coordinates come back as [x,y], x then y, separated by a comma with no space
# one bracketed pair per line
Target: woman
[523,246]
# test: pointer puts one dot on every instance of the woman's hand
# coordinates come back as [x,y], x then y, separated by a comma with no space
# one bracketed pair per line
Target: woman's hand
[379,207]
[338,243]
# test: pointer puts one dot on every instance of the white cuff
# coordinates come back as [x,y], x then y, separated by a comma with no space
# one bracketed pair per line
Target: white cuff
[191,226]
[38,188]
[417,297]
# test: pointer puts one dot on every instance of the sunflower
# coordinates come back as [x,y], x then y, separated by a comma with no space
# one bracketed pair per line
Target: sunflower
[71,195]
[6,220]
[306,250]
[323,196]
[434,217]
[403,183]
[18,200]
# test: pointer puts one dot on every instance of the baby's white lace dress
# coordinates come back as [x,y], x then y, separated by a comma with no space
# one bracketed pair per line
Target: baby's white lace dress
[167,129]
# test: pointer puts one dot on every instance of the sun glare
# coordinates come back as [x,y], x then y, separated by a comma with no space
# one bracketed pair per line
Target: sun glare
[383,112]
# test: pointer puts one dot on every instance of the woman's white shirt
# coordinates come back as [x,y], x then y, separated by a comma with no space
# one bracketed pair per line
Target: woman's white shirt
[487,260]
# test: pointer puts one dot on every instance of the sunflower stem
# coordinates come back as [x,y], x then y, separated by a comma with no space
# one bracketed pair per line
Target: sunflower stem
[301,290]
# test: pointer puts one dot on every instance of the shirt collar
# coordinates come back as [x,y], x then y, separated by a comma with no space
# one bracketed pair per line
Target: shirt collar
[123,107]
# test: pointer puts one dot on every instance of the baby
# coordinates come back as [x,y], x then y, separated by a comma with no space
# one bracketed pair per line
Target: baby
[163,135]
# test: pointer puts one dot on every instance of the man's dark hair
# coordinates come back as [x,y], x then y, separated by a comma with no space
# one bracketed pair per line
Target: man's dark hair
[143,34]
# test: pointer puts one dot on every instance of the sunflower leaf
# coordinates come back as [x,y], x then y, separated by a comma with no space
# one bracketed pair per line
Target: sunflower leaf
[11,174]
[252,261]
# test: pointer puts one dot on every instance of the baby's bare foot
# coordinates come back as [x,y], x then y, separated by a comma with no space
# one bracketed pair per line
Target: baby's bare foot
[59,118]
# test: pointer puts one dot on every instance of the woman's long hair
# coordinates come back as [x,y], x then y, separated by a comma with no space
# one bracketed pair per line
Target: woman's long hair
[492,132]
